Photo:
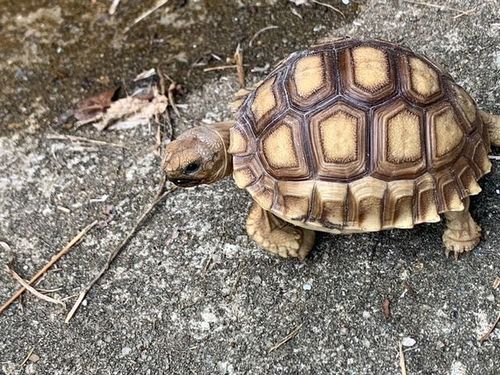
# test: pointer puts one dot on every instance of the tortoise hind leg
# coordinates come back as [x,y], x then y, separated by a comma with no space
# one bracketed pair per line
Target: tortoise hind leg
[277,236]
[462,233]
[492,123]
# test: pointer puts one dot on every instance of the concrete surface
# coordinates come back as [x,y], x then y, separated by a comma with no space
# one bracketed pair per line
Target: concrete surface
[192,295]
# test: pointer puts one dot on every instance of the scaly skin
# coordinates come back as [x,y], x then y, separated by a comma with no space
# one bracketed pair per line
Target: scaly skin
[277,236]
[492,123]
[462,233]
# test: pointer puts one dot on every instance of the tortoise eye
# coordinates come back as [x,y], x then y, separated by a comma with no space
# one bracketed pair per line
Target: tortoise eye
[192,167]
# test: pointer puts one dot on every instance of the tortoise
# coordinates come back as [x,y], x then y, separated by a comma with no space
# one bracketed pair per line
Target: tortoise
[347,136]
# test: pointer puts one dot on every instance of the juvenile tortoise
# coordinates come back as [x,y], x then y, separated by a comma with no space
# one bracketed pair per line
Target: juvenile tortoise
[347,136]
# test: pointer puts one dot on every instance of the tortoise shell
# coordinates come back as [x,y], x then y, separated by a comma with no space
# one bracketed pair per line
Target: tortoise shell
[358,135]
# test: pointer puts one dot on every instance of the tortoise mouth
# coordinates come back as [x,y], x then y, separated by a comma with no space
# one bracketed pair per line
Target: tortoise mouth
[185,182]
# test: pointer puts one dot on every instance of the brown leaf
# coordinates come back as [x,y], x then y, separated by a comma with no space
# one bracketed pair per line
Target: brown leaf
[93,107]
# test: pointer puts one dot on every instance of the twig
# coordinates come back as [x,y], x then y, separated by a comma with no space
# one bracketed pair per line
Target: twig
[32,290]
[220,67]
[442,7]
[27,357]
[75,138]
[496,283]
[238,59]
[171,102]
[487,334]
[494,157]
[171,99]
[329,6]
[162,81]
[160,196]
[272,27]
[112,8]
[402,362]
[54,259]
[290,336]
[145,14]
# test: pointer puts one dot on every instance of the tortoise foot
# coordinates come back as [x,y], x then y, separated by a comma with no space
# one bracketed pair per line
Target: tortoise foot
[462,234]
[277,236]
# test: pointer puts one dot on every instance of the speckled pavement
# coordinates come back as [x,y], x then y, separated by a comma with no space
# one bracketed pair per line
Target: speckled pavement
[191,294]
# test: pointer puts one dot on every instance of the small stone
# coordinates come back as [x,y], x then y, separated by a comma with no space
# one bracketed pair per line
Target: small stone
[346,2]
[205,326]
[126,351]
[366,314]
[34,357]
[307,286]
[30,369]
[257,280]
[408,342]
[208,317]
[350,361]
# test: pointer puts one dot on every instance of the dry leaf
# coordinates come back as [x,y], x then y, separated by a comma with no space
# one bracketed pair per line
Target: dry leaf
[90,109]
[130,112]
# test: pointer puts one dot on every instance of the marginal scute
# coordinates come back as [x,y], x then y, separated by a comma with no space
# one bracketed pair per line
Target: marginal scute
[398,210]
[243,177]
[279,148]
[264,197]
[366,202]
[466,178]
[426,205]
[237,141]
[330,205]
[296,207]
[448,195]
[424,79]
[294,199]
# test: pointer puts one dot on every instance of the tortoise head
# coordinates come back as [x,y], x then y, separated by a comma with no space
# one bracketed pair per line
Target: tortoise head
[198,156]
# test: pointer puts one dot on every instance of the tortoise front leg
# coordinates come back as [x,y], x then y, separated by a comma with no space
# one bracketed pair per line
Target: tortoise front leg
[462,233]
[278,236]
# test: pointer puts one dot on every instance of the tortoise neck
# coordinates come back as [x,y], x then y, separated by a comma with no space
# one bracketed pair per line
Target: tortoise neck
[222,130]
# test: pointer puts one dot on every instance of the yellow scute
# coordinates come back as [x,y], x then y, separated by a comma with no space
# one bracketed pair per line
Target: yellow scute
[447,132]
[404,143]
[264,100]
[339,138]
[279,149]
[423,78]
[309,75]
[371,68]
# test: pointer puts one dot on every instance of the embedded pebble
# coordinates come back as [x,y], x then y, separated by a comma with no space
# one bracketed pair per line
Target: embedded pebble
[408,342]
[307,286]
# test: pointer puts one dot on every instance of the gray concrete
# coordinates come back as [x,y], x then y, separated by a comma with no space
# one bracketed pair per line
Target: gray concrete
[191,293]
